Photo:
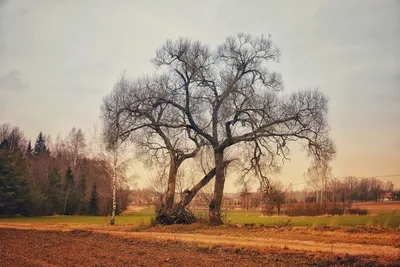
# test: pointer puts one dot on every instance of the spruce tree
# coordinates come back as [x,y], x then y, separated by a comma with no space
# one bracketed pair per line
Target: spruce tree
[40,146]
[69,193]
[15,195]
[81,191]
[54,197]
[94,202]
[29,150]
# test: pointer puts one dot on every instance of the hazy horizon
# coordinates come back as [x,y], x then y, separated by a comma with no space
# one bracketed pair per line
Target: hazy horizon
[60,58]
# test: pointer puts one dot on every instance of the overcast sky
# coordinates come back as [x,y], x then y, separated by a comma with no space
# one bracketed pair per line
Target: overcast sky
[58,59]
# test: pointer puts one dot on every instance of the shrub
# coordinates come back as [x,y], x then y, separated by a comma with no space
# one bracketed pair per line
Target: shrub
[314,209]
[357,211]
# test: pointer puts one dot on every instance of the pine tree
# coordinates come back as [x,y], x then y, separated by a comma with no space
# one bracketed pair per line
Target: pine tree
[54,197]
[5,145]
[40,146]
[29,149]
[94,202]
[81,195]
[14,188]
[69,193]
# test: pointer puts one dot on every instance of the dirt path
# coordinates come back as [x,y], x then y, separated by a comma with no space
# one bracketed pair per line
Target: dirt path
[230,241]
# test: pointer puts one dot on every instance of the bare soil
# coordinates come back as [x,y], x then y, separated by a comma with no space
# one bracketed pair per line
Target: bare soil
[382,237]
[70,246]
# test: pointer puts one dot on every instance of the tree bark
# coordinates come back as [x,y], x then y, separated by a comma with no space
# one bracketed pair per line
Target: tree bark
[114,200]
[114,188]
[190,194]
[170,195]
[216,202]
[65,203]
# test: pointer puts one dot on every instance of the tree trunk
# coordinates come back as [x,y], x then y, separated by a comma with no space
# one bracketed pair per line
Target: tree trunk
[216,202]
[65,203]
[190,194]
[114,200]
[114,189]
[170,195]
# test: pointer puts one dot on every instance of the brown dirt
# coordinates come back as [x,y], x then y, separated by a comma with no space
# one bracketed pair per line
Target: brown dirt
[362,235]
[389,205]
[75,247]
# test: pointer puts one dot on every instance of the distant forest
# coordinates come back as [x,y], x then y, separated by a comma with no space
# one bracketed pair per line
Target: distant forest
[39,178]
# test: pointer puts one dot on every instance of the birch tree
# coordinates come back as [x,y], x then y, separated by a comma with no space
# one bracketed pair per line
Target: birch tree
[115,163]
[317,177]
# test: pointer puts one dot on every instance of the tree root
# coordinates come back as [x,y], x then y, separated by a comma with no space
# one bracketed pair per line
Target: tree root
[175,217]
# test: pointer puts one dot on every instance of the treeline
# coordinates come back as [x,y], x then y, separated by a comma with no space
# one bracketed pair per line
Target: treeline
[352,189]
[45,178]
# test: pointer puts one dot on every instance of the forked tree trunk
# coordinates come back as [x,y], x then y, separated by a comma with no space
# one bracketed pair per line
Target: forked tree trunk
[180,209]
[190,194]
[216,202]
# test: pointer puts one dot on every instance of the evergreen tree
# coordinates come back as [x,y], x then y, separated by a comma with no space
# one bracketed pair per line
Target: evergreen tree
[14,188]
[29,150]
[69,193]
[5,145]
[81,195]
[54,198]
[40,146]
[94,202]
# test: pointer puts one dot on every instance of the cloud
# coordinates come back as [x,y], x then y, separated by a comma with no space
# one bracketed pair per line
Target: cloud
[3,2]
[12,81]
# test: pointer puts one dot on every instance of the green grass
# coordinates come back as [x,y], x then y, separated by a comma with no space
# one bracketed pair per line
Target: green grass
[137,218]
[386,219]
[236,217]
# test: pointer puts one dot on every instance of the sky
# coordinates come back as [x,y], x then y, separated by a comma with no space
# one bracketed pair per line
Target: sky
[58,59]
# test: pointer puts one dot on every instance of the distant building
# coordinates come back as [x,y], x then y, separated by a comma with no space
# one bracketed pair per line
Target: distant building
[387,196]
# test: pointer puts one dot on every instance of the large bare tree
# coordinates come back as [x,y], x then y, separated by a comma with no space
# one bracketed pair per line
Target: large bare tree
[228,98]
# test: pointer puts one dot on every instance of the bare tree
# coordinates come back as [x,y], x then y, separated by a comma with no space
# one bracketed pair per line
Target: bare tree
[111,157]
[244,183]
[350,185]
[14,136]
[376,188]
[5,130]
[74,145]
[335,187]
[388,186]
[228,97]
[275,195]
[317,176]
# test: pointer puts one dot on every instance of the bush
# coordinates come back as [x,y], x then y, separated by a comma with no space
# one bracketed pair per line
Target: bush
[314,209]
[357,211]
[335,211]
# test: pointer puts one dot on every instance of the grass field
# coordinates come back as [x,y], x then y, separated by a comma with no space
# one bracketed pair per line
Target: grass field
[389,217]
